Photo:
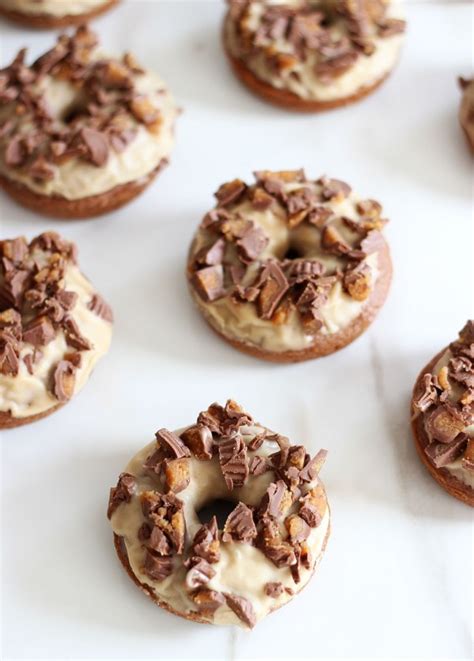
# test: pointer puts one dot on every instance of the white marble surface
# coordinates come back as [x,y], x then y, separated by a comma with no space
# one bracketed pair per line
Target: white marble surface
[396,579]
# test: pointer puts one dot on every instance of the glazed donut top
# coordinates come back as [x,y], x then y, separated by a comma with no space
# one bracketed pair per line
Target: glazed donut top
[77,123]
[466,112]
[320,49]
[280,261]
[271,541]
[445,399]
[57,8]
[53,325]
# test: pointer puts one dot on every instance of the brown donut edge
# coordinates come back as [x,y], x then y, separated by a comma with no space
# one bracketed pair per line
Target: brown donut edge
[88,207]
[445,479]
[122,554]
[8,421]
[286,99]
[323,344]
[48,21]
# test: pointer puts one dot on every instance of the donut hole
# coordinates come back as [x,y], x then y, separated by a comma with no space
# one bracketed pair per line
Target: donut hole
[218,507]
[77,108]
[293,252]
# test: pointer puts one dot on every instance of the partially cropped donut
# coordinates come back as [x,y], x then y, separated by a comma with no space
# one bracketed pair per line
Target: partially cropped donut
[54,327]
[270,544]
[289,268]
[53,13]
[466,110]
[443,416]
[313,55]
[81,133]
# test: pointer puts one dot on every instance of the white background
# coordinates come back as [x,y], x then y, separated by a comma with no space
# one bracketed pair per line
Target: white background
[396,578]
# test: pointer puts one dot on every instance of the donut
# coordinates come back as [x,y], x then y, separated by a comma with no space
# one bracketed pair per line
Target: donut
[54,327]
[308,55]
[53,13]
[466,110]
[81,134]
[442,409]
[272,534]
[289,269]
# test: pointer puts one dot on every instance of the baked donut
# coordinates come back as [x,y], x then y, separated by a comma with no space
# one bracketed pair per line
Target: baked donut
[54,327]
[466,111]
[290,269]
[443,416]
[81,134]
[273,537]
[313,55]
[53,13]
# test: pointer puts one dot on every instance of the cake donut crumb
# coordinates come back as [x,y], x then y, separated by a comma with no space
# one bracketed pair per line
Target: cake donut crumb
[54,327]
[313,55]
[290,268]
[271,541]
[442,410]
[81,133]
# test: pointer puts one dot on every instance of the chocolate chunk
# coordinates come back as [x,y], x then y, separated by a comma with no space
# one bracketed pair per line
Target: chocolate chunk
[274,589]
[427,392]
[96,145]
[230,192]
[171,444]
[206,542]
[373,242]
[442,454]
[233,461]
[157,567]
[64,380]
[207,601]
[144,111]
[122,493]
[212,255]
[101,308]
[9,358]
[154,462]
[29,362]
[158,542]
[40,169]
[466,334]
[177,475]
[313,506]
[260,199]
[252,244]
[39,332]
[15,152]
[45,63]
[357,282]
[332,188]
[444,423]
[198,439]
[276,500]
[257,441]
[332,241]
[166,512]
[259,465]
[318,216]
[273,286]
[298,529]
[242,608]
[279,552]
[390,27]
[73,335]
[468,457]
[239,526]
[199,573]
[311,470]
[209,282]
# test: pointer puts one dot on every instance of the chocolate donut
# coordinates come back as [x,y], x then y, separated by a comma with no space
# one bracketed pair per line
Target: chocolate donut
[289,269]
[81,133]
[312,55]
[466,110]
[54,327]
[53,13]
[271,541]
[442,410]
